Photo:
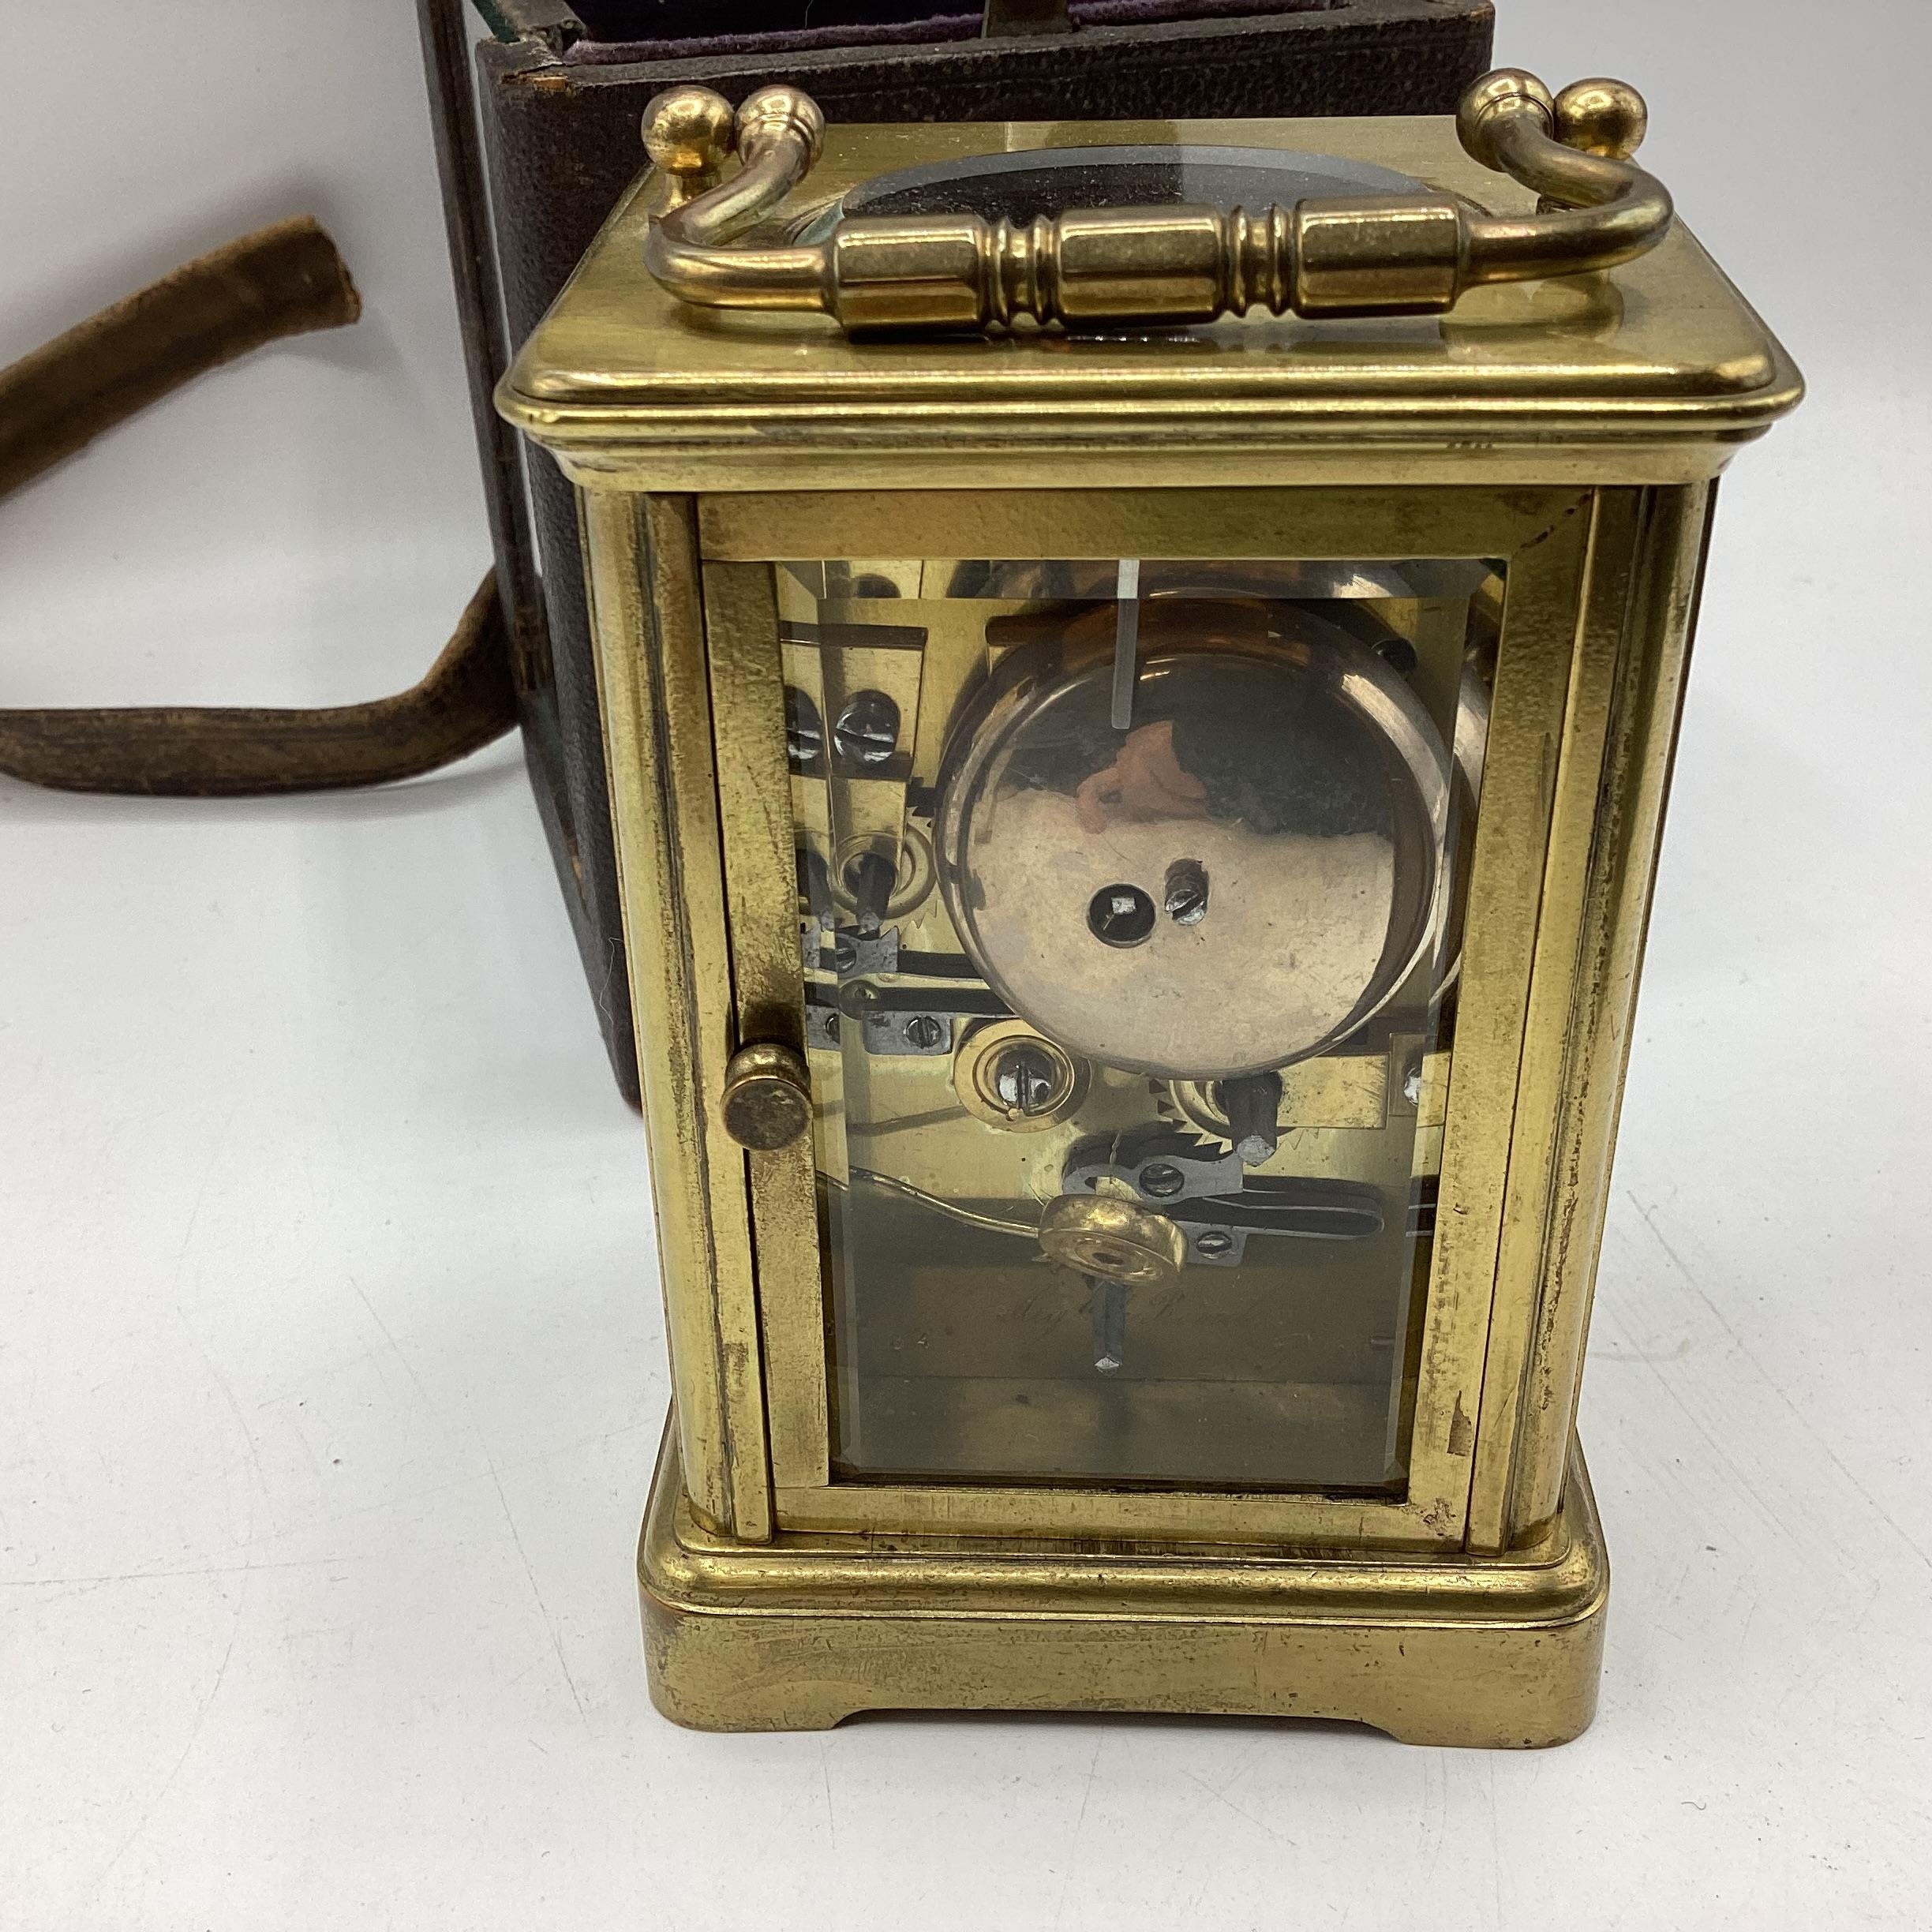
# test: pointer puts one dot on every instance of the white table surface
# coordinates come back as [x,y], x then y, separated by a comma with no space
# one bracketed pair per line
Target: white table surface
[331,1361]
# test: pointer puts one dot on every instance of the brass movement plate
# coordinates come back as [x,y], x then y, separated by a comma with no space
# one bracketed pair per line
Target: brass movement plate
[800,1633]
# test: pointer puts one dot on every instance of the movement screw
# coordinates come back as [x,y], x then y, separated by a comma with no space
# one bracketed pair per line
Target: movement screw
[1024,1078]
[867,731]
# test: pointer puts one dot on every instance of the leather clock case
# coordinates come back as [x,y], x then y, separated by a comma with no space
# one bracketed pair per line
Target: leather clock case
[537,141]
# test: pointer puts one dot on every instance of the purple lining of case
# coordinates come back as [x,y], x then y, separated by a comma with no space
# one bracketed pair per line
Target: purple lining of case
[917,28]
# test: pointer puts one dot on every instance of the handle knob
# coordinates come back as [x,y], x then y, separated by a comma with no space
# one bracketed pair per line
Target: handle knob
[767,1103]
[1606,118]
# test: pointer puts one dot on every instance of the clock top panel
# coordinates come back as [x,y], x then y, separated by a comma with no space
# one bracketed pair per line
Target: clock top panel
[1652,373]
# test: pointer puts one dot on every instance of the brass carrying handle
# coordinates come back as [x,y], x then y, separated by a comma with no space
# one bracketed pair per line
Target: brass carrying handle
[1334,255]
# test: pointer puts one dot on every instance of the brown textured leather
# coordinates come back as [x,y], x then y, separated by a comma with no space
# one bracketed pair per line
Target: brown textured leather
[281,280]
[561,133]
[566,772]
[463,702]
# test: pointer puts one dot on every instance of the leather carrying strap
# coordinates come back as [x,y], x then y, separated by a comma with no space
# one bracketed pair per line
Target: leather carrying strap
[282,281]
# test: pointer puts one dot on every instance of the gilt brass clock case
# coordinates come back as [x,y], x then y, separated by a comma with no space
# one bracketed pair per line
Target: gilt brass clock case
[1055,1363]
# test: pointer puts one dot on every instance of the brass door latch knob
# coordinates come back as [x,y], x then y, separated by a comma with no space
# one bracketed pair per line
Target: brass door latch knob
[767,1103]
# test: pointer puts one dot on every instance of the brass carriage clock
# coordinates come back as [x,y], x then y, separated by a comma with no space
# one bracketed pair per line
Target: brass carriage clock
[1139,720]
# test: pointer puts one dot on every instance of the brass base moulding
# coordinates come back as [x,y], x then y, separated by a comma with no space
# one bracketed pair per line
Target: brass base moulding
[800,1633]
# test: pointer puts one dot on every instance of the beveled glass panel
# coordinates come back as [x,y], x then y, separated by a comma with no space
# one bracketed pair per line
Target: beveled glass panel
[1129,897]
